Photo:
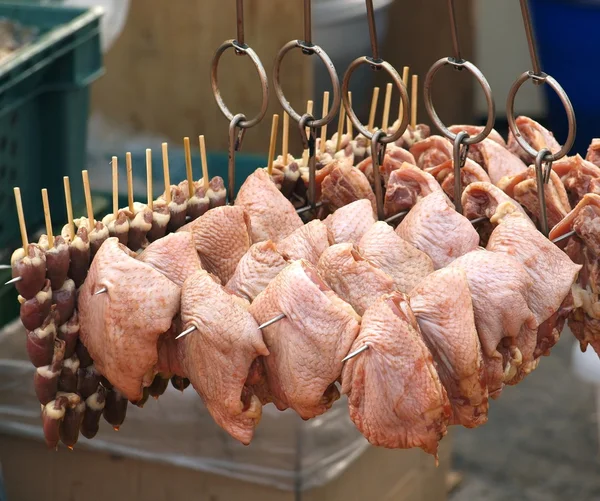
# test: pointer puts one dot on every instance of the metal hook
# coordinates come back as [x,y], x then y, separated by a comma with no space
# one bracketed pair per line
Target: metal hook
[239,11]
[543,157]
[307,27]
[377,156]
[461,149]
[235,143]
[535,62]
[454,32]
[373,33]
[309,142]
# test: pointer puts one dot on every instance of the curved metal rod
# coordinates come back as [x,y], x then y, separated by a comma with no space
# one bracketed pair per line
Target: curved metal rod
[543,157]
[454,31]
[460,157]
[309,142]
[535,62]
[377,157]
[235,143]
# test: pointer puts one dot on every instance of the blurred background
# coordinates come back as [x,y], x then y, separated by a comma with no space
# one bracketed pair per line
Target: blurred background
[82,88]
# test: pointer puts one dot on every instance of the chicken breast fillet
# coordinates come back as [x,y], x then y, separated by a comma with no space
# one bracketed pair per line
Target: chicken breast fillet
[308,345]
[121,327]
[405,264]
[395,396]
[272,216]
[217,356]
[444,310]
[434,227]
[307,242]
[351,222]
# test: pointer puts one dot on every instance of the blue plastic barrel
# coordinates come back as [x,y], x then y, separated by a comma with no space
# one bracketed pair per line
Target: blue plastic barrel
[568,36]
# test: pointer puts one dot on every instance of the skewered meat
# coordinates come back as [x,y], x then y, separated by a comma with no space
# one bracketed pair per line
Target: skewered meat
[307,242]
[471,172]
[64,299]
[118,226]
[34,311]
[351,222]
[504,321]
[139,226]
[217,194]
[405,264]
[406,186]
[578,177]
[94,407]
[79,253]
[308,345]
[272,216]
[487,200]
[174,256]
[523,188]
[352,277]
[261,264]
[85,360]
[31,267]
[584,248]
[394,157]
[160,220]
[411,135]
[45,379]
[57,260]
[168,352]
[497,160]
[444,310]
[536,136]
[97,235]
[474,130]
[177,207]
[71,423]
[217,356]
[222,236]
[52,415]
[434,227]
[199,203]
[40,342]
[346,184]
[115,408]
[120,328]
[434,150]
[395,396]
[593,152]
[88,380]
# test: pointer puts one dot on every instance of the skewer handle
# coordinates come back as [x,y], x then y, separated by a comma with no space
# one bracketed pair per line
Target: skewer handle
[373,111]
[324,128]
[340,130]
[188,166]
[47,218]
[115,186]
[386,107]
[129,182]
[21,217]
[149,190]
[67,185]
[349,127]
[273,143]
[166,174]
[88,199]
[413,100]
[405,73]
[204,163]
[285,137]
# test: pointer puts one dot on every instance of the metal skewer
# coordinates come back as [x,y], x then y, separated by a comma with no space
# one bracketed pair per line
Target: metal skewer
[191,329]
[356,352]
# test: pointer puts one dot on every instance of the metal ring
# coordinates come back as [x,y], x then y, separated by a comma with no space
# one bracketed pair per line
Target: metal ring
[262,74]
[392,138]
[491,118]
[556,87]
[335,82]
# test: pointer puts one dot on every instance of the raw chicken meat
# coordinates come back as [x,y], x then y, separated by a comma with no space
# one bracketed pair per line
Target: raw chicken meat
[352,277]
[405,264]
[322,172]
[487,200]
[308,345]
[593,152]
[344,185]
[395,396]
[121,327]
[523,188]
[497,161]
[434,227]
[394,157]
[536,136]
[411,135]
[217,356]
[272,216]
[471,172]
[444,310]
[174,256]
[261,264]
[351,222]
[473,130]
[406,186]
[222,237]
[500,288]
[578,177]
[307,242]
[434,150]
[584,248]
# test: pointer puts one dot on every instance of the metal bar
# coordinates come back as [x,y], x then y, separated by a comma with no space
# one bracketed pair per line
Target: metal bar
[308,22]
[372,30]
[454,31]
[240,21]
[541,188]
[535,62]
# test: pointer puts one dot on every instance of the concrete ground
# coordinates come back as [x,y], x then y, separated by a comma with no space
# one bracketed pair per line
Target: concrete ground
[541,441]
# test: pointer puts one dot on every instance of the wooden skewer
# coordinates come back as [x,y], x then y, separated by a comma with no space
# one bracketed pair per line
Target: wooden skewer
[272,143]
[405,73]
[188,166]
[373,111]
[88,200]
[348,120]
[47,218]
[204,163]
[166,174]
[115,186]
[129,182]
[340,130]
[150,191]
[69,203]
[413,101]
[324,128]
[386,107]
[285,137]
[309,110]
[21,216]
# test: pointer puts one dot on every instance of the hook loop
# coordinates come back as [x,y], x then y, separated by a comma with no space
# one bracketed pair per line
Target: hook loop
[378,147]
[543,167]
[461,150]
[235,144]
[309,141]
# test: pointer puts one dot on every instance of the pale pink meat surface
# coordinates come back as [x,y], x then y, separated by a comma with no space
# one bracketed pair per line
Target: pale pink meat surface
[578,176]
[352,277]
[487,200]
[471,172]
[272,216]
[434,227]
[351,222]
[307,242]
[394,157]
[444,310]
[434,150]
[395,396]
[474,130]
[261,264]
[308,345]
[217,356]
[406,264]
[405,187]
[498,161]
[537,137]
[221,237]
[593,152]
[174,256]
[121,327]
[169,362]
[344,185]
[523,188]
[411,135]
